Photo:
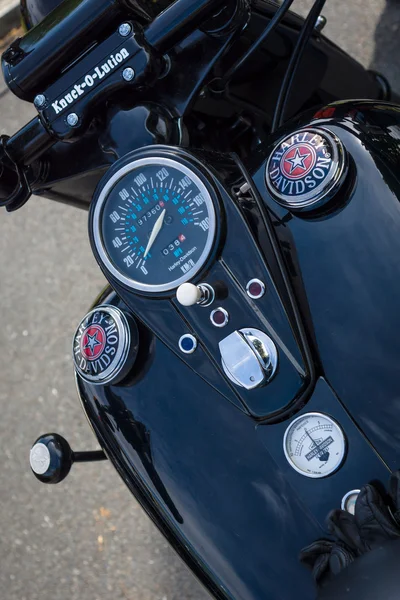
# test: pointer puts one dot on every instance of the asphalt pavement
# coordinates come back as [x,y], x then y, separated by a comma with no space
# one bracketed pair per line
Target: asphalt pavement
[87,538]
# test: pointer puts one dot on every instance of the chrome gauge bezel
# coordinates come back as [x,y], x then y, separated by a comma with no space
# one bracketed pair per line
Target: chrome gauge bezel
[340,431]
[98,213]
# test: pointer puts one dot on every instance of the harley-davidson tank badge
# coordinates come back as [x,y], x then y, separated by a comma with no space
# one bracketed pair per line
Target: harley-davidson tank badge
[306,168]
[105,345]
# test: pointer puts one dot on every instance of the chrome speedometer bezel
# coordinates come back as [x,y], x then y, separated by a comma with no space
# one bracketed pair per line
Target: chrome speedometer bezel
[98,214]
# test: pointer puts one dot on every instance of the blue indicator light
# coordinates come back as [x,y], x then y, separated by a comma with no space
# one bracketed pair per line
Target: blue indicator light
[146,200]
[184,221]
[166,197]
[134,216]
[178,252]
[188,343]
[138,207]
[141,249]
[136,239]
[181,210]
[133,229]
[175,200]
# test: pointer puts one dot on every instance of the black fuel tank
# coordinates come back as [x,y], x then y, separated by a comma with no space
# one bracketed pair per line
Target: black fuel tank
[347,260]
[215,478]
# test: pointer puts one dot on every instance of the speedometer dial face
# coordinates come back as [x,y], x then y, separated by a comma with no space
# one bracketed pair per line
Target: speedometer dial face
[154,224]
[314,445]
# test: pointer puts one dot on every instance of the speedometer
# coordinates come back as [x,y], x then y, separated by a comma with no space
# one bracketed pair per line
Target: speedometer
[154,224]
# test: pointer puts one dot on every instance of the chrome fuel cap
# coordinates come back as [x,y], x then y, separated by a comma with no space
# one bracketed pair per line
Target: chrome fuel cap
[105,345]
[249,357]
[306,168]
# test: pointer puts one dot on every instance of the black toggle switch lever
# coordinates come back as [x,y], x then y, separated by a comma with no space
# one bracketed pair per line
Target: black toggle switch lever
[51,458]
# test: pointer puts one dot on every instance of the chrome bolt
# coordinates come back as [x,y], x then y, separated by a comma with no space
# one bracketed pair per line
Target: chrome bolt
[72,119]
[128,74]
[320,23]
[39,101]
[124,29]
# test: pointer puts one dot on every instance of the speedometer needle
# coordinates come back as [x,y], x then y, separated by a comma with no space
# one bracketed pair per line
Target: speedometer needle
[156,230]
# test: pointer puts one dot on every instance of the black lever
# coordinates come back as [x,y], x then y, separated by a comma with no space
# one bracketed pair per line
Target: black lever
[51,458]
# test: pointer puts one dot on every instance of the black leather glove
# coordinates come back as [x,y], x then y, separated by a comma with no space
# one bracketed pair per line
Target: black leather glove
[376,520]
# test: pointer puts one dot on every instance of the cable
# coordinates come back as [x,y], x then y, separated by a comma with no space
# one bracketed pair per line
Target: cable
[276,19]
[287,83]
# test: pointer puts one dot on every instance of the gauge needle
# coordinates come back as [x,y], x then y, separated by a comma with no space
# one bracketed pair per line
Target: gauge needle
[320,452]
[156,230]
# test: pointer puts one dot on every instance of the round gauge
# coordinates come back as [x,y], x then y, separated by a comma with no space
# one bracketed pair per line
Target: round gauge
[154,224]
[314,444]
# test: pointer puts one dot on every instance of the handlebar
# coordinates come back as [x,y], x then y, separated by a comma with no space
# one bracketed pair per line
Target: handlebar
[177,21]
[51,50]
[8,175]
[71,29]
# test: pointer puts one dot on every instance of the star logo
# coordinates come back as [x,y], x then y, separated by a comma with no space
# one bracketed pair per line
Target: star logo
[93,342]
[298,160]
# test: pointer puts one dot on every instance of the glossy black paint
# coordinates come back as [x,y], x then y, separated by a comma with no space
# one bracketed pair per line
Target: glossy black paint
[234,261]
[29,143]
[216,484]
[347,261]
[214,478]
[204,458]
[131,53]
[38,58]
[34,11]
[180,20]
[72,179]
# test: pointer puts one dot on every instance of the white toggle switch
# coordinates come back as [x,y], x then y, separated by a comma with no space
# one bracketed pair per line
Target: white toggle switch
[189,294]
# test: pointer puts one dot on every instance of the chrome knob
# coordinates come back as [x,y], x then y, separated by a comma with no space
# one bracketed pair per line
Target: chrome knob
[249,358]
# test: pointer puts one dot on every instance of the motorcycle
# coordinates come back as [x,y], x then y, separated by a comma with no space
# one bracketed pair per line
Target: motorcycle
[240,369]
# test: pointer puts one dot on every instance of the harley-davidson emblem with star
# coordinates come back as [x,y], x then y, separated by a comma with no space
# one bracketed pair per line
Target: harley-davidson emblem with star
[305,168]
[102,345]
